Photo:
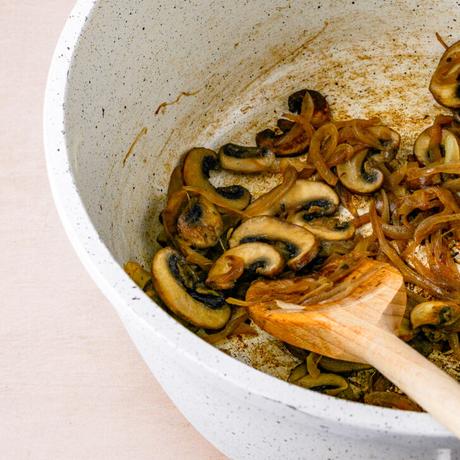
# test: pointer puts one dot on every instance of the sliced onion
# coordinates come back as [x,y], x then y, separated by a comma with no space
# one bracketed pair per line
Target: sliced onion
[176,181]
[408,273]
[176,201]
[308,107]
[364,136]
[392,400]
[397,232]
[430,224]
[346,199]
[361,220]
[415,172]
[326,132]
[270,200]
[385,211]
[237,318]
[193,257]
[214,199]
[358,122]
[454,344]
[341,154]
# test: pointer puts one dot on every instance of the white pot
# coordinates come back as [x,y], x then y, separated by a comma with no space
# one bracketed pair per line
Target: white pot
[116,61]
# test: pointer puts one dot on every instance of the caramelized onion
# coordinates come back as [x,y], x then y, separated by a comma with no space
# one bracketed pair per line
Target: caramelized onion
[392,400]
[408,273]
[222,204]
[432,223]
[266,202]
[397,232]
[415,172]
[326,134]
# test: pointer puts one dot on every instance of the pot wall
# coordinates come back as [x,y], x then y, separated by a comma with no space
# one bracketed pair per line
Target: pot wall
[236,63]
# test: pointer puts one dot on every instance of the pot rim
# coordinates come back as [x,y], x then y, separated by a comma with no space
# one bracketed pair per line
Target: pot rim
[123,294]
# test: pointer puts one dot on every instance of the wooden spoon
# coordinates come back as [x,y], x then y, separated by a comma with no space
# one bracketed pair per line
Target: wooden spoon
[361,327]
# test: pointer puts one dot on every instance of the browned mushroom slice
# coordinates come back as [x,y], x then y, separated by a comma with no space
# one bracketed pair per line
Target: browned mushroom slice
[200,224]
[297,244]
[246,160]
[388,138]
[445,83]
[449,147]
[200,309]
[197,165]
[442,314]
[325,228]
[321,112]
[313,197]
[257,258]
[357,175]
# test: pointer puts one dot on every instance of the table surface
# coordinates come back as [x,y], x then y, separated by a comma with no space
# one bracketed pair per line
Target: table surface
[72,385]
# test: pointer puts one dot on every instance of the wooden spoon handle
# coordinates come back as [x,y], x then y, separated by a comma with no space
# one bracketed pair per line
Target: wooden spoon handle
[429,386]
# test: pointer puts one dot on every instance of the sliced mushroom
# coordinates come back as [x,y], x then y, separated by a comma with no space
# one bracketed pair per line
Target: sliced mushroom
[357,175]
[247,160]
[449,147]
[442,314]
[315,198]
[259,258]
[445,83]
[388,138]
[200,224]
[197,165]
[297,244]
[325,228]
[200,309]
[321,113]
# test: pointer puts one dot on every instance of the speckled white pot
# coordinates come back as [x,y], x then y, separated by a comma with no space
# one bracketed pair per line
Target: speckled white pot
[116,61]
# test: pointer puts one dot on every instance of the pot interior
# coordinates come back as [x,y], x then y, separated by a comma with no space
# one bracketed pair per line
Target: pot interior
[150,80]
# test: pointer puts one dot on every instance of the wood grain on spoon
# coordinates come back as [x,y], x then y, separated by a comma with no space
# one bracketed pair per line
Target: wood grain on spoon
[361,327]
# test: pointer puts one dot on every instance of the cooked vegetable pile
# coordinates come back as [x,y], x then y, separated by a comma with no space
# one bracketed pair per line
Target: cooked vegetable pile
[222,249]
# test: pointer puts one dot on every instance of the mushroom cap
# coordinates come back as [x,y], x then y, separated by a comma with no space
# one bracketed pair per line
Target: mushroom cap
[197,164]
[449,147]
[298,244]
[209,312]
[358,176]
[200,224]
[324,228]
[445,82]
[259,258]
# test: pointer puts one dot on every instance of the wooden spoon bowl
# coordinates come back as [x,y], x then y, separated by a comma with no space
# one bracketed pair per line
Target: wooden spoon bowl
[361,327]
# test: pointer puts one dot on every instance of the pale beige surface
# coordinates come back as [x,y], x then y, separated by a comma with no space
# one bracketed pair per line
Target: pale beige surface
[72,386]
